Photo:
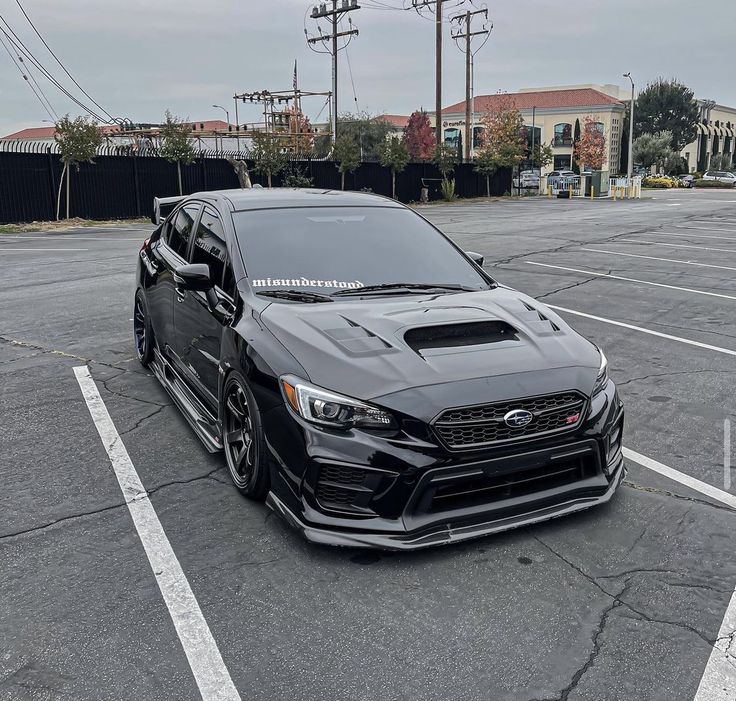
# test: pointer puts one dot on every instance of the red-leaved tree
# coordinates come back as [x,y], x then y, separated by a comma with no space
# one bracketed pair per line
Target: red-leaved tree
[590,150]
[419,137]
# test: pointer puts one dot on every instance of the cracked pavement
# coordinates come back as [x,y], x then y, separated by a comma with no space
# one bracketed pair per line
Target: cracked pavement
[622,603]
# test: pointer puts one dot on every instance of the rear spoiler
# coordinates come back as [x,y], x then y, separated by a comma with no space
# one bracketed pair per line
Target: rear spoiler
[163,206]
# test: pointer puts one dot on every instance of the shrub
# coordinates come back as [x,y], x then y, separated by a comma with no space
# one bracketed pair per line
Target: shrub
[713,183]
[697,175]
[659,182]
[448,190]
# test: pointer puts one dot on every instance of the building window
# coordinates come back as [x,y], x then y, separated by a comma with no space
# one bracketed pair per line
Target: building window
[563,135]
[562,162]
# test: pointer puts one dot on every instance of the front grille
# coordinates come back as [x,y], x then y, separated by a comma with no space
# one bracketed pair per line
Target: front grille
[482,425]
[342,474]
[330,495]
[488,489]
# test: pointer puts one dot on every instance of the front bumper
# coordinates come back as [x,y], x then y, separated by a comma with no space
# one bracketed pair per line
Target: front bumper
[410,494]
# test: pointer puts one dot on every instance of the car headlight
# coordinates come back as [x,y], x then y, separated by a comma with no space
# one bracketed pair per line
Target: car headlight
[330,409]
[602,380]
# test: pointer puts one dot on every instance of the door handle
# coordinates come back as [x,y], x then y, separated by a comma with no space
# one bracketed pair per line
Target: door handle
[180,295]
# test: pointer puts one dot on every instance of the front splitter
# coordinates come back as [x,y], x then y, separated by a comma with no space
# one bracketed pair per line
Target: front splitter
[444,533]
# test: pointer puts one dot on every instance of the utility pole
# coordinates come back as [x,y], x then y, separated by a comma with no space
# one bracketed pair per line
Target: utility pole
[333,16]
[467,36]
[419,5]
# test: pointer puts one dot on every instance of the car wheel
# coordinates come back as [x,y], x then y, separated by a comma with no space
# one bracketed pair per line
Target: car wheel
[142,330]
[245,449]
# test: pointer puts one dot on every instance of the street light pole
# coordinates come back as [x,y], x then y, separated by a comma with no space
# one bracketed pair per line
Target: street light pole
[227,117]
[630,168]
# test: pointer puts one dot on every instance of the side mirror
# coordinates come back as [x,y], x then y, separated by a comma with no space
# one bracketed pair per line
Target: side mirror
[477,258]
[195,277]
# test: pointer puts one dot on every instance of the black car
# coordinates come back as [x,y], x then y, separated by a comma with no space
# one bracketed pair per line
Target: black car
[365,376]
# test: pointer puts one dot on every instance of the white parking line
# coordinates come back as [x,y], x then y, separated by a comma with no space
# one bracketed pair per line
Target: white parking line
[210,673]
[613,322]
[694,236]
[631,279]
[718,682]
[682,478]
[678,245]
[704,228]
[666,260]
[13,249]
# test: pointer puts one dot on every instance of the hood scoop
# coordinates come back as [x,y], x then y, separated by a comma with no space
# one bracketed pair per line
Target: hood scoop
[538,322]
[433,340]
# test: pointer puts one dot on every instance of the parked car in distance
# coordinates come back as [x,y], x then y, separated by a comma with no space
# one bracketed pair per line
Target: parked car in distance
[687,180]
[527,179]
[365,376]
[722,176]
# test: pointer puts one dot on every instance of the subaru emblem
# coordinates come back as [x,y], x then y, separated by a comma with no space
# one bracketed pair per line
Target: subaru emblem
[518,418]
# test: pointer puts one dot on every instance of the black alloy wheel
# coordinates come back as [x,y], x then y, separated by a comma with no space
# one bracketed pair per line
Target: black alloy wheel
[243,440]
[142,331]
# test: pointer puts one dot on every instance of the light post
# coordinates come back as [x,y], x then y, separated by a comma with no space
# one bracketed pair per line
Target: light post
[227,117]
[630,169]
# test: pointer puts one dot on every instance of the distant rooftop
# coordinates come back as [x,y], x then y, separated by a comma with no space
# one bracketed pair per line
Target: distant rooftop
[541,99]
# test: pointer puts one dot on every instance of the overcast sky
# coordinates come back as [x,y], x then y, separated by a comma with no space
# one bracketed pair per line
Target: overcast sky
[139,57]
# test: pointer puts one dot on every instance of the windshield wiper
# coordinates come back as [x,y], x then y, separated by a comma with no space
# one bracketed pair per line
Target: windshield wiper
[408,287]
[296,295]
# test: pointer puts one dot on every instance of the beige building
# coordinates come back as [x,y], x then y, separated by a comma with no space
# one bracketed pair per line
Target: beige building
[551,114]
[715,135]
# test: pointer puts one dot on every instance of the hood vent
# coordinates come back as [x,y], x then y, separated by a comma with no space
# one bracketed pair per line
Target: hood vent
[475,333]
[537,316]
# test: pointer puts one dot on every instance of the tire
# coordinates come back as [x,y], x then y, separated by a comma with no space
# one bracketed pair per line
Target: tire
[243,440]
[142,330]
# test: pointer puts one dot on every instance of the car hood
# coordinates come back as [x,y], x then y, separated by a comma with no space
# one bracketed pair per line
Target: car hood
[450,349]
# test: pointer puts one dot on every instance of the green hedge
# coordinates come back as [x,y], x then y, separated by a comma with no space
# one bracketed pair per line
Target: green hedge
[713,183]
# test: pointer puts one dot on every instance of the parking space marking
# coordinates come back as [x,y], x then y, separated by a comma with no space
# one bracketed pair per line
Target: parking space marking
[704,228]
[205,660]
[669,337]
[631,279]
[678,245]
[677,476]
[13,249]
[666,260]
[719,678]
[694,236]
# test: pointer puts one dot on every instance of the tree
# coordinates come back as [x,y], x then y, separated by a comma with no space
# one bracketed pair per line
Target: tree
[504,140]
[652,149]
[485,164]
[176,146]
[395,155]
[445,158]
[346,154]
[667,105]
[419,137]
[367,132]
[575,142]
[241,170]
[268,158]
[590,151]
[78,140]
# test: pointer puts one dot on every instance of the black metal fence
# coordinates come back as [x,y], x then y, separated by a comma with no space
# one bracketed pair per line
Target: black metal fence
[121,186]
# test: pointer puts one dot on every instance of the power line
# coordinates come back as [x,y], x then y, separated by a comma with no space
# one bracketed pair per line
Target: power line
[19,46]
[63,67]
[48,108]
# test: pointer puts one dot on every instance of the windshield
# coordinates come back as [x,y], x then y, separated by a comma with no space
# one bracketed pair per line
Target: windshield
[331,249]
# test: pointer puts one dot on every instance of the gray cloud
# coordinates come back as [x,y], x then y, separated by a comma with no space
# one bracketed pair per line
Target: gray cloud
[139,58]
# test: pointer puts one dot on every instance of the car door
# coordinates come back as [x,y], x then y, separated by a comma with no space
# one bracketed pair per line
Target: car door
[168,253]
[198,330]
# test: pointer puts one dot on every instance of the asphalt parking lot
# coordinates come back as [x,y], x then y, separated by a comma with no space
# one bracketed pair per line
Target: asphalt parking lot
[630,601]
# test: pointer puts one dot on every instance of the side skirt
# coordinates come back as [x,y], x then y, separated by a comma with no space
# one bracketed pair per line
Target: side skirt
[200,418]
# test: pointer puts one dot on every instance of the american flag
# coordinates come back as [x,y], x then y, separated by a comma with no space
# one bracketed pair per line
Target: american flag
[295,77]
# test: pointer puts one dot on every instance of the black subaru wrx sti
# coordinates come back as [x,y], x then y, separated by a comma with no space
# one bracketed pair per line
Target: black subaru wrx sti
[365,376]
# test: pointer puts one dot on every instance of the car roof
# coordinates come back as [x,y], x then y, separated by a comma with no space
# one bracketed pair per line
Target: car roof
[282,197]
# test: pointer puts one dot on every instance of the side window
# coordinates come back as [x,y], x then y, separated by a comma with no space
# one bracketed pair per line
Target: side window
[180,229]
[210,248]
